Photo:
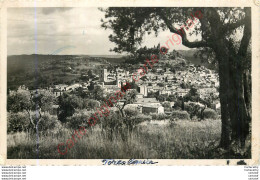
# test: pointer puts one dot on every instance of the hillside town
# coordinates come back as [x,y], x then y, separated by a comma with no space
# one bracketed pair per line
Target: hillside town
[153,89]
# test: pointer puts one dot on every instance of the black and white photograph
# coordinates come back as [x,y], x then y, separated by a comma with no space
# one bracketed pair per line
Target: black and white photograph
[114,83]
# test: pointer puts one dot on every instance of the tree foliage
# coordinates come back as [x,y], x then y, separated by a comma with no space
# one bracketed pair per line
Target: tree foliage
[192,95]
[17,122]
[67,105]
[34,103]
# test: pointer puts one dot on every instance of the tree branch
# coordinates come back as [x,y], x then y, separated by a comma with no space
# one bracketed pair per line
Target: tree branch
[230,27]
[40,117]
[30,117]
[246,34]
[182,33]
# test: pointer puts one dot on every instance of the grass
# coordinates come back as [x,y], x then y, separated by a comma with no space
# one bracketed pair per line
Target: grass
[181,140]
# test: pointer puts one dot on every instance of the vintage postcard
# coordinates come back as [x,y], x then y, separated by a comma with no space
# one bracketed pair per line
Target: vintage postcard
[129,82]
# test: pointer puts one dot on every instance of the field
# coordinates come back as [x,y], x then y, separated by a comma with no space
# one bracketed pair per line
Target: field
[154,140]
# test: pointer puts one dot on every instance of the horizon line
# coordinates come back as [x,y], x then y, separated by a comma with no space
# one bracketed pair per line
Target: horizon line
[71,54]
[85,54]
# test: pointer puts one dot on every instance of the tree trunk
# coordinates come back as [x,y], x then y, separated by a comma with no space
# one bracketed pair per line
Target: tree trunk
[235,99]
[223,95]
[239,103]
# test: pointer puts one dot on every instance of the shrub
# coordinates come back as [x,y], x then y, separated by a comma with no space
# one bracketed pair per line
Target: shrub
[210,114]
[162,116]
[79,118]
[113,121]
[92,104]
[17,122]
[180,115]
[67,106]
[142,117]
[49,122]
[131,112]
[159,116]
[167,106]
[154,116]
[132,122]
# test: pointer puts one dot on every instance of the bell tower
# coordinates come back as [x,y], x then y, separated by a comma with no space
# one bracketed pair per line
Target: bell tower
[103,75]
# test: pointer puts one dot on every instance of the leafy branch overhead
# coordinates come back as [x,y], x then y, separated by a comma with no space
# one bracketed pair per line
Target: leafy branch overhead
[130,25]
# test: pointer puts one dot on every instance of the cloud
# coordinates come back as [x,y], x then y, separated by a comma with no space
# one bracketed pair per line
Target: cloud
[53,28]
[51,10]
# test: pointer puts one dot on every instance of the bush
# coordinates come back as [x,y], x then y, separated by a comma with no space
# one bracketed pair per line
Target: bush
[210,114]
[92,104]
[141,117]
[167,106]
[132,122]
[113,121]
[49,123]
[79,118]
[180,115]
[131,112]
[159,116]
[162,116]
[17,122]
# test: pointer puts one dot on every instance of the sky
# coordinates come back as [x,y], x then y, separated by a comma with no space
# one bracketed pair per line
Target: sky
[64,31]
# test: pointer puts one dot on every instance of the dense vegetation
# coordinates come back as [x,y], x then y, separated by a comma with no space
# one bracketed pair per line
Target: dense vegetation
[34,130]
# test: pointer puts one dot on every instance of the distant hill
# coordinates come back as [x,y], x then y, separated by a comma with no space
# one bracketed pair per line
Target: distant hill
[113,59]
[107,56]
[38,70]
[189,55]
[23,63]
